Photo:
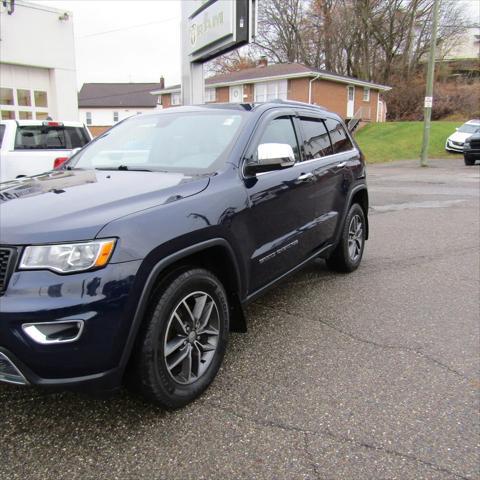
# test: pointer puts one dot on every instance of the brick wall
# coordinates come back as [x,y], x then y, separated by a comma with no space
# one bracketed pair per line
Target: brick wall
[166,100]
[96,131]
[331,95]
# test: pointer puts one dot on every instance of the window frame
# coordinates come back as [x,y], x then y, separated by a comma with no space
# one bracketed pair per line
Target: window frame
[260,128]
[177,95]
[116,116]
[210,90]
[265,84]
[366,93]
[88,118]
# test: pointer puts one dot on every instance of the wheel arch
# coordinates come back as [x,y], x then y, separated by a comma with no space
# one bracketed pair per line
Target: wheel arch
[215,255]
[360,196]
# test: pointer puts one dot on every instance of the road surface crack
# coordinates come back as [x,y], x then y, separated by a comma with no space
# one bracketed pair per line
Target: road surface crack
[338,438]
[357,338]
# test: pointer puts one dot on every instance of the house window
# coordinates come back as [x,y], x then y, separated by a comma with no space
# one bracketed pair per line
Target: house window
[175,98]
[265,91]
[88,118]
[115,116]
[366,94]
[40,98]
[23,97]
[41,115]
[210,95]
[6,96]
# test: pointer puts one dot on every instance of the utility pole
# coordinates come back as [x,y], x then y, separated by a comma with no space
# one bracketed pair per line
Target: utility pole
[429,89]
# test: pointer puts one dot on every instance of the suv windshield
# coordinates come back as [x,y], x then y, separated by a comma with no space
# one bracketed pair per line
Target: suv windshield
[469,128]
[41,137]
[192,143]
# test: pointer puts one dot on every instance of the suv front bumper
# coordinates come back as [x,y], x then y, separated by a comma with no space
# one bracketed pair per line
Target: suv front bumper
[103,300]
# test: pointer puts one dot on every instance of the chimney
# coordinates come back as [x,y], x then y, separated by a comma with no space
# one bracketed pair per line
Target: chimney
[263,61]
[162,83]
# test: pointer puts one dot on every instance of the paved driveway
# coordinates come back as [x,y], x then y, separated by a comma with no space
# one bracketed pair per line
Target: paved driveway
[361,376]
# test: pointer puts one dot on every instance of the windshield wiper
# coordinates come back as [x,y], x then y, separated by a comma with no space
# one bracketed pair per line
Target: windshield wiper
[124,167]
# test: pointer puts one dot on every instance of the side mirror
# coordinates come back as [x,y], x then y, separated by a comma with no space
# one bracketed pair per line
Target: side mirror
[271,156]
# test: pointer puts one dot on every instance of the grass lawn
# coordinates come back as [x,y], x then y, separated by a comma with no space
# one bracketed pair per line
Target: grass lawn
[385,142]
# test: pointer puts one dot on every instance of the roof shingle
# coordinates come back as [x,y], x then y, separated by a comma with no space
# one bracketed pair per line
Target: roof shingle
[117,95]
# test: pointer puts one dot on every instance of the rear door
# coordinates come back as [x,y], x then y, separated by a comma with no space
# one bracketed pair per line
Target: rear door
[280,207]
[327,154]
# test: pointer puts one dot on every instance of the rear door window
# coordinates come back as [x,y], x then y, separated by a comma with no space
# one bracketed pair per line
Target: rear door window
[340,140]
[316,140]
[39,137]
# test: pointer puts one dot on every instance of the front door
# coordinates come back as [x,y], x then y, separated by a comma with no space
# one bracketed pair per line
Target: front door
[280,209]
[236,94]
[350,101]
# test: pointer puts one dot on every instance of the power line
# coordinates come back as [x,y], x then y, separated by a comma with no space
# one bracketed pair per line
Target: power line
[106,32]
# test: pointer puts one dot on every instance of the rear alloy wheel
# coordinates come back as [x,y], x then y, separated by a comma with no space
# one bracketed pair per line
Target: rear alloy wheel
[348,254]
[184,339]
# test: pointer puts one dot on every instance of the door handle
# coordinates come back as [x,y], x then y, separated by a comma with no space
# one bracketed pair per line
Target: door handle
[341,164]
[305,176]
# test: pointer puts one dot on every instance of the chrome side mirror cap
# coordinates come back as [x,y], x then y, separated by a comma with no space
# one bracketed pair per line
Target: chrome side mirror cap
[271,156]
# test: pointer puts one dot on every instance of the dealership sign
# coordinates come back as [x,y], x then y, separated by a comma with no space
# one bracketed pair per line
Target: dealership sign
[219,26]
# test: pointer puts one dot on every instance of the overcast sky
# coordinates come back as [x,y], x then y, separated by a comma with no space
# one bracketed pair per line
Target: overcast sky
[134,40]
[125,41]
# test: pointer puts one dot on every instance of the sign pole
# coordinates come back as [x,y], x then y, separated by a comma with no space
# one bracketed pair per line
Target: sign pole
[192,90]
[429,88]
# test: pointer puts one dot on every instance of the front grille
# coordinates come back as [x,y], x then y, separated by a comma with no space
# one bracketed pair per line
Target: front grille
[458,144]
[7,259]
[475,144]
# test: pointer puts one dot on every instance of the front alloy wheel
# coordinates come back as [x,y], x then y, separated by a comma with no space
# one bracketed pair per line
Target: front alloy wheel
[184,337]
[191,337]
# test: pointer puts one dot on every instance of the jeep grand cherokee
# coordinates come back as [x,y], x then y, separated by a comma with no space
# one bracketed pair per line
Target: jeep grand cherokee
[133,261]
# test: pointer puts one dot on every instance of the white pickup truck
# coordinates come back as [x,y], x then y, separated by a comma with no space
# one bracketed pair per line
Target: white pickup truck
[31,147]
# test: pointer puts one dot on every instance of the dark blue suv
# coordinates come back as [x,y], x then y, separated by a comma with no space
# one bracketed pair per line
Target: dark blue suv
[133,262]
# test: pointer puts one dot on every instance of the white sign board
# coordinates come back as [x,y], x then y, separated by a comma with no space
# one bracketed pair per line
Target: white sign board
[428,102]
[212,24]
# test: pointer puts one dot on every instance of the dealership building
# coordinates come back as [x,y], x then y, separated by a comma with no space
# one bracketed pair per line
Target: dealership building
[37,62]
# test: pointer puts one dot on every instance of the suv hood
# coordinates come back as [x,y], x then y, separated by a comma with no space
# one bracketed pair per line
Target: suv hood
[69,205]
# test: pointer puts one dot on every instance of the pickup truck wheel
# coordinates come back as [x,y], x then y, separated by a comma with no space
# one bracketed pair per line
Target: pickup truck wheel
[348,254]
[184,341]
[468,160]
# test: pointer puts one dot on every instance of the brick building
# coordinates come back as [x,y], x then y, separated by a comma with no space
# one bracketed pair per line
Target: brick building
[346,96]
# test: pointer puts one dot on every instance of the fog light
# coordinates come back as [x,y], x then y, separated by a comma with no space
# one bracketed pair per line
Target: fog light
[54,332]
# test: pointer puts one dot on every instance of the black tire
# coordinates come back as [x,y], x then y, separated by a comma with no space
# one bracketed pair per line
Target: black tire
[151,374]
[469,160]
[341,259]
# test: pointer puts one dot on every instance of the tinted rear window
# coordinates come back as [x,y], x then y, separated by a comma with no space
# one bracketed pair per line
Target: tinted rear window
[317,143]
[2,132]
[339,137]
[40,137]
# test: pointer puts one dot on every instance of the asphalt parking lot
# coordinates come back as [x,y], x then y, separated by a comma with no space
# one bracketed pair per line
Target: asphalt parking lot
[363,376]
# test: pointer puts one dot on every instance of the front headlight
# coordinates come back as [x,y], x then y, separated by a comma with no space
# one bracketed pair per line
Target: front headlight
[68,257]
[466,145]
